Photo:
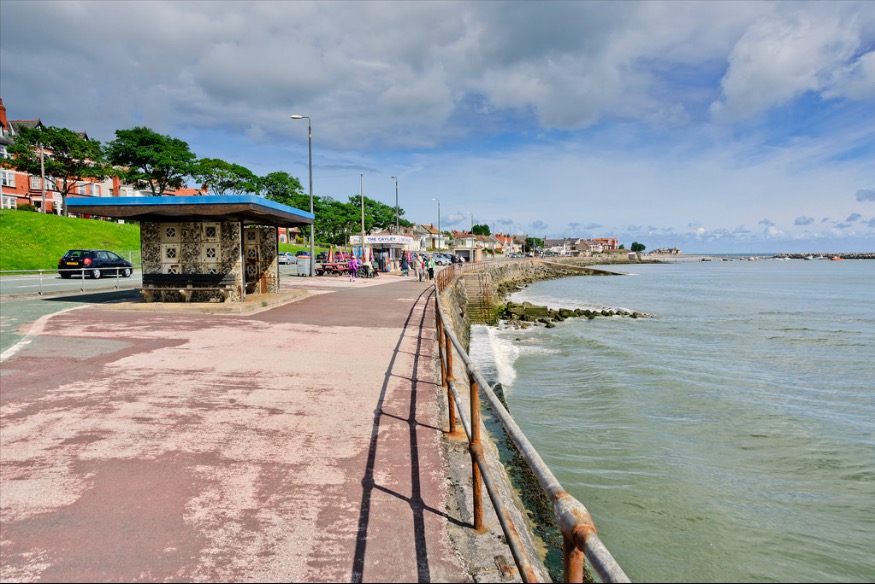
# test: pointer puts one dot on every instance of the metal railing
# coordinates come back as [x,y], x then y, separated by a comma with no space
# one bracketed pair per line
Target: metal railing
[580,539]
[52,276]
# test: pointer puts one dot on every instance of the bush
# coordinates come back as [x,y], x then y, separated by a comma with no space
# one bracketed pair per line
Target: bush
[26,207]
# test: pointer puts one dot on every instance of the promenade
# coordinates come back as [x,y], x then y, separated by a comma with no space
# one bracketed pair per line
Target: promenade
[298,442]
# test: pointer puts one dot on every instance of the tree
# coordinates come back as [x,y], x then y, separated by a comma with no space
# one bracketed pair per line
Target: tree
[335,220]
[283,188]
[68,158]
[481,230]
[637,246]
[148,159]
[222,177]
[378,216]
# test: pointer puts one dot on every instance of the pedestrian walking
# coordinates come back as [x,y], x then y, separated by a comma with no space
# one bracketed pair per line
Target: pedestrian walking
[405,266]
[431,267]
[353,267]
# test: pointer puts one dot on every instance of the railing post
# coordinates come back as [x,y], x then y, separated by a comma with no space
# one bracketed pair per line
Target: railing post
[572,568]
[476,450]
[442,343]
[452,402]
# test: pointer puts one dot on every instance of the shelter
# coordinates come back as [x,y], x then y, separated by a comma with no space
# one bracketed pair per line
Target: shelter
[230,236]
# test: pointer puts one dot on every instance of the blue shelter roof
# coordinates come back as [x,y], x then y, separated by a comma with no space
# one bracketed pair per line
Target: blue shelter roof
[250,209]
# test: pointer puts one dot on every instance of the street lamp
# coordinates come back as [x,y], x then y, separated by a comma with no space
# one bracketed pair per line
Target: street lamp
[440,234]
[472,234]
[310,149]
[397,225]
[362,187]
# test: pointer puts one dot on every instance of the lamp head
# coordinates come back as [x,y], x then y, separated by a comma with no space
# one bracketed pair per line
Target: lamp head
[298,117]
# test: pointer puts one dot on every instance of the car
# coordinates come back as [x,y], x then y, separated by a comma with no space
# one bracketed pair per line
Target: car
[302,253]
[441,260]
[286,257]
[95,263]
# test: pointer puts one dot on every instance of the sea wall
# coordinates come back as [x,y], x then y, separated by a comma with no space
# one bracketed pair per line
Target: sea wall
[529,508]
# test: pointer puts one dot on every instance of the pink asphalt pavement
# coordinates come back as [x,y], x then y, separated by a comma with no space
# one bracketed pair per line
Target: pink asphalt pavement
[299,443]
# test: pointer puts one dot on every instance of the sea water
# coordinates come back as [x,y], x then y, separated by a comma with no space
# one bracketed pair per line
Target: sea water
[729,437]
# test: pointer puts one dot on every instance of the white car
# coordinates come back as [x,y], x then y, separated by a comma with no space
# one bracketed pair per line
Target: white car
[286,257]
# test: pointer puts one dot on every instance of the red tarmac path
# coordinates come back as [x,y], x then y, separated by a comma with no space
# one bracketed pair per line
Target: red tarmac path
[299,443]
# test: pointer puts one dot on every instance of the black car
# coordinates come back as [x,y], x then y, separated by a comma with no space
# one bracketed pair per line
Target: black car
[96,263]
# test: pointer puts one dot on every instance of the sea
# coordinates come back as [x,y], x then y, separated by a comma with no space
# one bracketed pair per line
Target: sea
[727,437]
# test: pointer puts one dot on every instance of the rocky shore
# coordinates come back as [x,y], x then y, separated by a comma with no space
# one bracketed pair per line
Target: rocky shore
[528,314]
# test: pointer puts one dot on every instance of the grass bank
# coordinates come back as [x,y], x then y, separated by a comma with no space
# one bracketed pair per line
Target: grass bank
[35,241]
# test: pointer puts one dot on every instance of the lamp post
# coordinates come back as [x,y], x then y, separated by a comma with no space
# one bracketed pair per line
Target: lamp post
[310,151]
[440,234]
[362,188]
[472,234]
[397,223]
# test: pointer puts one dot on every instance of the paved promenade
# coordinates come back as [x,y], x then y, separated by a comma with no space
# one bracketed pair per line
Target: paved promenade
[299,442]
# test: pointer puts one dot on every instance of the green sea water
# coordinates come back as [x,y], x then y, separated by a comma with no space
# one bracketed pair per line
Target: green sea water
[731,437]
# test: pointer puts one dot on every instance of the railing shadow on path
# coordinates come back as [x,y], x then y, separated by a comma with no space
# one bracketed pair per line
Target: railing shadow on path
[416,325]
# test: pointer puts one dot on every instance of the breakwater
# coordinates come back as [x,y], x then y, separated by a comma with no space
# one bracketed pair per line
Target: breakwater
[867,255]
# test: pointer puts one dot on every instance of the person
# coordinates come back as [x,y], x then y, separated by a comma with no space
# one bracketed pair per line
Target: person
[431,267]
[353,267]
[416,270]
[405,266]
[420,267]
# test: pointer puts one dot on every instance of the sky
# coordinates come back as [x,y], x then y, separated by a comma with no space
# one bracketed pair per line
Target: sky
[736,127]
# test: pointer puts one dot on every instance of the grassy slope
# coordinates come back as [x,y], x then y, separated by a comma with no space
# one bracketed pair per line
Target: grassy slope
[34,241]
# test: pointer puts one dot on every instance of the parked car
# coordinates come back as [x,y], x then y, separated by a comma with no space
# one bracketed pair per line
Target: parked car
[286,257]
[302,252]
[96,263]
[441,259]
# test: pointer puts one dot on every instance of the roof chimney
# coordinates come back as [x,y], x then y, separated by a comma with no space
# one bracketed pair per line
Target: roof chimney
[4,124]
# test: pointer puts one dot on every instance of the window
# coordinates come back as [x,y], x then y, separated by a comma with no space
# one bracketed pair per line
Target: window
[3,152]
[95,190]
[9,203]
[7,178]
[34,183]
[82,189]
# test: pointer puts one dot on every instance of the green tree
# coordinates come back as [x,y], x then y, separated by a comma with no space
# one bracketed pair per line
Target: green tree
[637,246]
[68,158]
[378,216]
[223,178]
[147,159]
[335,220]
[283,188]
[481,230]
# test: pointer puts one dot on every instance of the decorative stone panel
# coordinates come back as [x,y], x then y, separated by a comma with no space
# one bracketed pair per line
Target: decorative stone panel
[211,247]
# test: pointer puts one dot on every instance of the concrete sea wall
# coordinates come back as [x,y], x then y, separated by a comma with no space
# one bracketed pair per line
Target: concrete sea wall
[476,293]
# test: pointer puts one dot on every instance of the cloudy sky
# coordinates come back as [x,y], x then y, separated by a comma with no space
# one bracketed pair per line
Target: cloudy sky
[736,127]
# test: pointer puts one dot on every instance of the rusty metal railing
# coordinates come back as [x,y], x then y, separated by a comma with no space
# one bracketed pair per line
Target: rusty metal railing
[580,539]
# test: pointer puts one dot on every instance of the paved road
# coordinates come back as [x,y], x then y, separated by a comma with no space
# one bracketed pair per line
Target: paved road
[300,443]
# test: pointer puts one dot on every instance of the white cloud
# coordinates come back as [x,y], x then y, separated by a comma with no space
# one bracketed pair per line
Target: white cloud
[788,53]
[548,116]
